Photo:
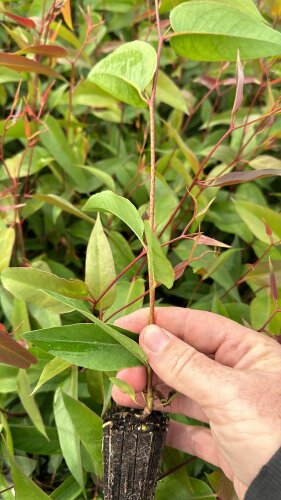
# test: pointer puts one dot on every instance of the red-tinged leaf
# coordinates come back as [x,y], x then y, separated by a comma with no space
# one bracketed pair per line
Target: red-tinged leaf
[241,177]
[268,230]
[22,64]
[44,50]
[6,208]
[22,21]
[180,268]
[12,353]
[273,282]
[211,242]
[66,13]
[240,80]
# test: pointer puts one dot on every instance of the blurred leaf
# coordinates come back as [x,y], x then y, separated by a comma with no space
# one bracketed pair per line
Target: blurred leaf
[26,283]
[24,487]
[29,403]
[212,31]
[13,354]
[160,266]
[7,240]
[107,201]
[126,72]
[22,64]
[58,201]
[22,21]
[44,50]
[241,177]
[28,439]
[89,427]
[68,490]
[84,345]
[185,149]
[54,140]
[256,217]
[66,12]
[265,162]
[98,276]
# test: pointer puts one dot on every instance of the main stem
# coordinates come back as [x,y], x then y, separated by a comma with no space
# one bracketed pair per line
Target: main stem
[152,284]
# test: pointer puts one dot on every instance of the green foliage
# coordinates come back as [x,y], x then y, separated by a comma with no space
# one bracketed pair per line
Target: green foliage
[76,86]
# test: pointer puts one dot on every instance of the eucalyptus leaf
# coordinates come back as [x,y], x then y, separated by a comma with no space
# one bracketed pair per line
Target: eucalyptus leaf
[98,276]
[160,266]
[86,345]
[215,31]
[25,284]
[126,72]
[107,201]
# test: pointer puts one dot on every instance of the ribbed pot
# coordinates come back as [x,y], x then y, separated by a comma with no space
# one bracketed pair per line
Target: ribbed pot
[132,449]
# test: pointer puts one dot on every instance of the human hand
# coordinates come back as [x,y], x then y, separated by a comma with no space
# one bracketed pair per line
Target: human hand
[227,375]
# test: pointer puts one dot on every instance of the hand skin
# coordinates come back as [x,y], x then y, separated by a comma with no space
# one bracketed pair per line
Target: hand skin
[227,375]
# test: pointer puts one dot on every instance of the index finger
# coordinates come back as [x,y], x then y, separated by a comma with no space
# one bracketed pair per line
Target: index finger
[207,332]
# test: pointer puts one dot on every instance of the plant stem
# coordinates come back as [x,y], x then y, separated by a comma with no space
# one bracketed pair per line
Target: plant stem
[152,284]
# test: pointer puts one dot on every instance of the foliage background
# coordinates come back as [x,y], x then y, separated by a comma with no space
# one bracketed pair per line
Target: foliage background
[63,140]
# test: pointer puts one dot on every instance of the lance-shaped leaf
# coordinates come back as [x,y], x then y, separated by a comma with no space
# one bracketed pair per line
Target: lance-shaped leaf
[209,30]
[24,487]
[258,218]
[22,64]
[88,425]
[51,369]
[126,72]
[22,21]
[107,201]
[29,403]
[25,284]
[160,266]
[86,345]
[122,336]
[13,354]
[44,50]
[68,435]
[241,177]
[100,270]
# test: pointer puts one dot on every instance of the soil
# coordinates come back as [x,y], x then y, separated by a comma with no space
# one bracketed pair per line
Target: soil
[132,449]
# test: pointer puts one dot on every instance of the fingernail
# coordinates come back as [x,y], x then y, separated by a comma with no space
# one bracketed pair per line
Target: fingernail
[155,339]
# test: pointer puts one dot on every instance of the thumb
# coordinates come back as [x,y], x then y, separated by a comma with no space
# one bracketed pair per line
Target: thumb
[186,370]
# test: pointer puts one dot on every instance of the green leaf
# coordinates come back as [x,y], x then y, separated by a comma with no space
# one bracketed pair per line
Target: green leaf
[126,72]
[24,487]
[88,425]
[160,266]
[113,331]
[25,283]
[99,276]
[51,369]
[126,293]
[85,345]
[28,439]
[68,436]
[68,490]
[54,140]
[215,31]
[29,403]
[124,387]
[65,205]
[256,217]
[7,240]
[185,149]
[107,201]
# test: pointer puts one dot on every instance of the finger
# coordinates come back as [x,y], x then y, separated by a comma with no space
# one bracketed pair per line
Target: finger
[137,378]
[196,441]
[185,369]
[181,405]
[207,332]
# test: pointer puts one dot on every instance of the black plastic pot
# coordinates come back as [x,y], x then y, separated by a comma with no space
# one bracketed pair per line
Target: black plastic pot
[132,449]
